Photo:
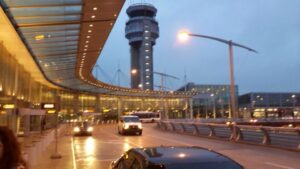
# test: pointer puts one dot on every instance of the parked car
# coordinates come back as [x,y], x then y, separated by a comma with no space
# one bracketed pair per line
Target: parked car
[173,158]
[83,128]
[130,124]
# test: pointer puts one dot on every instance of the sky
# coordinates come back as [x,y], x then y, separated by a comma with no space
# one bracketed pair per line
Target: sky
[272,27]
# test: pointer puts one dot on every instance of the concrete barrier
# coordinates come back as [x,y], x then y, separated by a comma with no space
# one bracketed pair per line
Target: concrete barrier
[282,137]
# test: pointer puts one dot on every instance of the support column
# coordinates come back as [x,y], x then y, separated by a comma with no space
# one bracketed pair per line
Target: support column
[97,104]
[191,108]
[165,101]
[119,107]
[76,104]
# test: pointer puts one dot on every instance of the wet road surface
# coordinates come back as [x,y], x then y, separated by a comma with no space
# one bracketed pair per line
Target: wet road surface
[106,145]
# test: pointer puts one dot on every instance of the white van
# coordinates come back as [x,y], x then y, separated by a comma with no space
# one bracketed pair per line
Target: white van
[130,124]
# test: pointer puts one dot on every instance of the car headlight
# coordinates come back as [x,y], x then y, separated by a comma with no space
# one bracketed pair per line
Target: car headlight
[126,126]
[140,126]
[76,129]
[90,129]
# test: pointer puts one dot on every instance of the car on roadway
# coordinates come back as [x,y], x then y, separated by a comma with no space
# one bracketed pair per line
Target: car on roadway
[129,124]
[83,129]
[178,157]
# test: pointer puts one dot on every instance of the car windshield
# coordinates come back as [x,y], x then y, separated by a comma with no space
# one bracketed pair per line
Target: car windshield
[131,119]
[83,124]
[208,165]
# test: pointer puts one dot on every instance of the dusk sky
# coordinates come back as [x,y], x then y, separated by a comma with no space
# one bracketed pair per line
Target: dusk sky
[272,27]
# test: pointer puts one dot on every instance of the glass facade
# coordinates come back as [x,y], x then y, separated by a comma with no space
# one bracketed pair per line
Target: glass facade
[19,90]
[258,105]
[212,101]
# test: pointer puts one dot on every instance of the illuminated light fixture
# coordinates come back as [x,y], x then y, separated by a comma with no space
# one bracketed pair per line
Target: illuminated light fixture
[115,15]
[93,16]
[8,106]
[39,37]
[91,25]
[86,46]
[111,24]
[95,8]
[183,36]
[48,106]
[84,53]
[51,111]
[133,71]
[89,31]
[87,36]
[87,41]
[85,49]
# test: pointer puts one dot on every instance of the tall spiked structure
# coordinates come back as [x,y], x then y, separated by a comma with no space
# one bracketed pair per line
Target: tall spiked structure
[142,31]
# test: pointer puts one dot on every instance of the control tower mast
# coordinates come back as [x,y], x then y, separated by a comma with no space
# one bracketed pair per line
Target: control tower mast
[141,31]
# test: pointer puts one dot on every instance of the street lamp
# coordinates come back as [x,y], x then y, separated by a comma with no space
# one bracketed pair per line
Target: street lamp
[185,35]
[294,103]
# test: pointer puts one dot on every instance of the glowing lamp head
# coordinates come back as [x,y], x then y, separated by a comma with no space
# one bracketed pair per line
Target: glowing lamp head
[133,71]
[183,36]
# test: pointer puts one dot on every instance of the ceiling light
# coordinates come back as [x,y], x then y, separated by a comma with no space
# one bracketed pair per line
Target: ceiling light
[91,25]
[86,46]
[87,36]
[89,31]
[95,8]
[115,15]
[39,37]
[93,16]
[85,49]
[87,41]
[84,53]
[111,23]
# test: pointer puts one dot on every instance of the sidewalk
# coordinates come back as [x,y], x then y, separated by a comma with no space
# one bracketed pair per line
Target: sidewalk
[65,150]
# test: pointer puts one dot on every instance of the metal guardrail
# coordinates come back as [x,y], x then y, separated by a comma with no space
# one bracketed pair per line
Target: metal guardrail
[287,138]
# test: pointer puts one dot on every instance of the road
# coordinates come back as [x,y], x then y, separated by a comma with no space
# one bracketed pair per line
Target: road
[106,145]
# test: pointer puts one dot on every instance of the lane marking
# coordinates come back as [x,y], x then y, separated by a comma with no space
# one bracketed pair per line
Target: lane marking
[278,165]
[73,154]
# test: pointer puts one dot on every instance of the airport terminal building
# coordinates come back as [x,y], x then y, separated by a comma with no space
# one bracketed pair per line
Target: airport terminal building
[265,104]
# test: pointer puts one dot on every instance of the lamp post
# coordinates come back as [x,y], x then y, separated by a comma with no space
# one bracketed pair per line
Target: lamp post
[294,103]
[185,35]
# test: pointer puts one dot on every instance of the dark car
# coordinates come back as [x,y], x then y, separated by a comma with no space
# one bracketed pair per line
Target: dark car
[173,158]
[83,128]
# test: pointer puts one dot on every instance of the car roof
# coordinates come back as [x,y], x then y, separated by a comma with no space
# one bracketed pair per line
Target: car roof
[129,116]
[181,154]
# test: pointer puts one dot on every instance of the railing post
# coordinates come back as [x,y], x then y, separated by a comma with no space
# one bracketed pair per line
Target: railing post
[212,131]
[266,139]
[298,131]
[196,131]
[158,124]
[237,135]
[163,125]
[183,127]
[173,126]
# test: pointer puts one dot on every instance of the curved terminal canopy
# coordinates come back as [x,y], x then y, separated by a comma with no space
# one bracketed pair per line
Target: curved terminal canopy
[63,40]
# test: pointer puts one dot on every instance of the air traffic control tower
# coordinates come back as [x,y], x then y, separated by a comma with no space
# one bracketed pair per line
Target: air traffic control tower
[141,31]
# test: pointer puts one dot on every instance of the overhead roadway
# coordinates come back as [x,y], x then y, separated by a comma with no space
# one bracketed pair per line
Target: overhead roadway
[63,40]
